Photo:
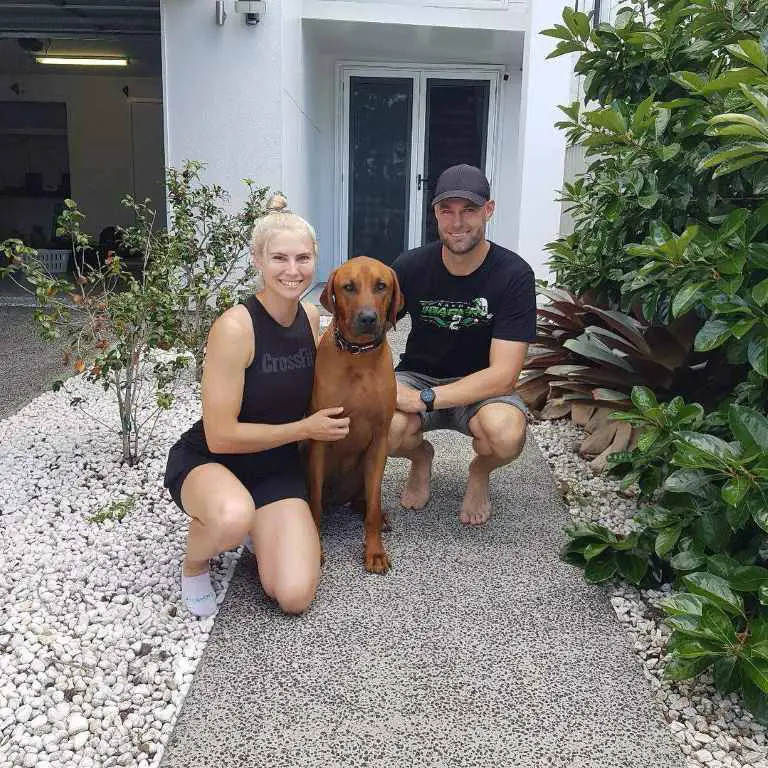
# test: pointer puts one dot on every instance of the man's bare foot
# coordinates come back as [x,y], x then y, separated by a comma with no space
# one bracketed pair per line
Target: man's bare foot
[476,505]
[417,491]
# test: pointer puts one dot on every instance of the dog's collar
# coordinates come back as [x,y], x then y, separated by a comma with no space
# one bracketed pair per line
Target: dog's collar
[355,349]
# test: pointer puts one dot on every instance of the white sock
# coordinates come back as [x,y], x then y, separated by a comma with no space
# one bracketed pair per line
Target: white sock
[197,592]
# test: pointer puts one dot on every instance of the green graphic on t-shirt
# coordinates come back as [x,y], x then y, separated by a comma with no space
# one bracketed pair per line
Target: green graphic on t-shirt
[456,314]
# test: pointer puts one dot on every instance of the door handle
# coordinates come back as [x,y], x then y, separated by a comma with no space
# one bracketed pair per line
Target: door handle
[421,180]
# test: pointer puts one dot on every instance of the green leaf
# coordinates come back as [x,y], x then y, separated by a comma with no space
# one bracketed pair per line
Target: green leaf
[610,119]
[760,516]
[688,560]
[686,647]
[689,80]
[642,114]
[711,335]
[735,490]
[593,550]
[754,697]
[730,79]
[566,47]
[643,399]
[736,165]
[693,481]
[757,354]
[669,151]
[732,224]
[756,669]
[749,426]
[666,540]
[662,121]
[631,567]
[748,578]
[709,445]
[742,327]
[715,589]
[760,292]
[686,297]
[600,568]
[684,669]
[715,622]
[762,594]
[749,51]
[725,673]
[759,99]
[682,604]
[733,152]
[738,516]
[648,201]
[559,32]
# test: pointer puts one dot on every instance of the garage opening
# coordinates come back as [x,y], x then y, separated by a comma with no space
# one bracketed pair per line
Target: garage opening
[81,117]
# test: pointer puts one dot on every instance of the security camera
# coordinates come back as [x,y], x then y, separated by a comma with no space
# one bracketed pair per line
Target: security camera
[253,10]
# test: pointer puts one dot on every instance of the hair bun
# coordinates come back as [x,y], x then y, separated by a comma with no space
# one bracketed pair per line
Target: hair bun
[277,203]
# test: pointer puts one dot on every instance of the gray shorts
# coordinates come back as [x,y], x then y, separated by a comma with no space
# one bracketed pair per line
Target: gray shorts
[456,418]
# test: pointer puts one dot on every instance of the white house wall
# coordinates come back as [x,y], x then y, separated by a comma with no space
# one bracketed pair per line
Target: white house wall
[261,101]
[223,93]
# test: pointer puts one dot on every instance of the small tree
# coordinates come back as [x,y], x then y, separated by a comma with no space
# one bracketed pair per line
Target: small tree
[208,248]
[111,321]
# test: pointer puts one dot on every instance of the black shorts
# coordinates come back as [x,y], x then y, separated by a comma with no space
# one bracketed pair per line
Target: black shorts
[287,481]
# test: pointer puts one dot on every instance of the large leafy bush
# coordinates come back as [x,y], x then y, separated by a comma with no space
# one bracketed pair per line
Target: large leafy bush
[671,224]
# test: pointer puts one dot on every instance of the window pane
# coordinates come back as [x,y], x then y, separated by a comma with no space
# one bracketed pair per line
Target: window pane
[379,157]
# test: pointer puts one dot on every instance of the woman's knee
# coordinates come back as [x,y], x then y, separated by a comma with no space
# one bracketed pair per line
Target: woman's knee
[295,595]
[233,520]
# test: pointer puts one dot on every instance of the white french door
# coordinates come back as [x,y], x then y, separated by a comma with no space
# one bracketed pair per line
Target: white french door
[401,126]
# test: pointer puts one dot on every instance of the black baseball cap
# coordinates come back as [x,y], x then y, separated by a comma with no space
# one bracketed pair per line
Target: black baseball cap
[464,181]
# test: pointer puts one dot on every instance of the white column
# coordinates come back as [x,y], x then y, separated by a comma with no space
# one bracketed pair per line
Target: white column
[222,90]
[546,83]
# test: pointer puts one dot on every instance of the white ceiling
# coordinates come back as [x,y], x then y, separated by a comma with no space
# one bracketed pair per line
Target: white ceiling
[410,43]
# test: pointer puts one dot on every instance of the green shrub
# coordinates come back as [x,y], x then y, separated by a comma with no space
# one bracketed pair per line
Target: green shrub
[671,222]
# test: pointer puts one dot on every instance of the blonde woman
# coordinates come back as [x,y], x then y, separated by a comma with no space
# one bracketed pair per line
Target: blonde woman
[237,471]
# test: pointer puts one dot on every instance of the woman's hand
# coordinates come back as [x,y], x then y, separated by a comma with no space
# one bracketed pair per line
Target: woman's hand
[327,425]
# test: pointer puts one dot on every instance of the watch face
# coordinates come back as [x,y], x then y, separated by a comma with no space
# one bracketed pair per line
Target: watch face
[428,395]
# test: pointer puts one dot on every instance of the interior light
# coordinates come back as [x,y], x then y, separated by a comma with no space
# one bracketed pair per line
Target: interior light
[82,61]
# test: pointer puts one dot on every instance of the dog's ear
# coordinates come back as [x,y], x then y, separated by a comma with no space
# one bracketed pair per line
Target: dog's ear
[328,297]
[397,302]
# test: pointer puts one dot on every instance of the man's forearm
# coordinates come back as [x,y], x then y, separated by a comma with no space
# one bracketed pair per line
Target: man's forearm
[481,385]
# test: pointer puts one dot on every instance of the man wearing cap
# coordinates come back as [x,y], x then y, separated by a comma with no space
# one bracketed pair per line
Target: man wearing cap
[473,311]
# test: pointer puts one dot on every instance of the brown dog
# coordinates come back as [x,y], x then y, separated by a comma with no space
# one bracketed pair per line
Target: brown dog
[354,369]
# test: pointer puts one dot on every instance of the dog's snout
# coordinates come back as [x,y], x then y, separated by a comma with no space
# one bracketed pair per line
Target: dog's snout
[367,318]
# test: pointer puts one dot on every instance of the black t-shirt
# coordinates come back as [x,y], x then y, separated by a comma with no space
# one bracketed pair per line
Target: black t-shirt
[454,318]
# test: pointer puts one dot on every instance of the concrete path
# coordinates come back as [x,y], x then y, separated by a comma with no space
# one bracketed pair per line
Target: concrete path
[28,365]
[479,648]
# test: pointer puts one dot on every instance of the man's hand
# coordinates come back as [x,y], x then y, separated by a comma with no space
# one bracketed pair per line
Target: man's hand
[408,400]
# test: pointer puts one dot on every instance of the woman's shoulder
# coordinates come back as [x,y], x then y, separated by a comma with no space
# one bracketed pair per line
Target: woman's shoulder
[313,315]
[232,333]
[234,322]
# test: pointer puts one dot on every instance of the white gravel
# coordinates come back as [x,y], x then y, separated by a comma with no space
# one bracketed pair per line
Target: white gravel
[712,730]
[96,649]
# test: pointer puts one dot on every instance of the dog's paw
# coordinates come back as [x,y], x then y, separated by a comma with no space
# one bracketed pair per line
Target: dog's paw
[376,562]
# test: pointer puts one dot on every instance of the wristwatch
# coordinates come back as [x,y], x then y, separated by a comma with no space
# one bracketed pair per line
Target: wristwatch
[428,398]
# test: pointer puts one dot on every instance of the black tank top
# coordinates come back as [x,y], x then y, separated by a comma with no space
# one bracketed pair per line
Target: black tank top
[277,387]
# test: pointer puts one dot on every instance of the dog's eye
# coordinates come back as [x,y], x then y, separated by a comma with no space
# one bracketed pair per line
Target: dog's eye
[380,286]
[348,287]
